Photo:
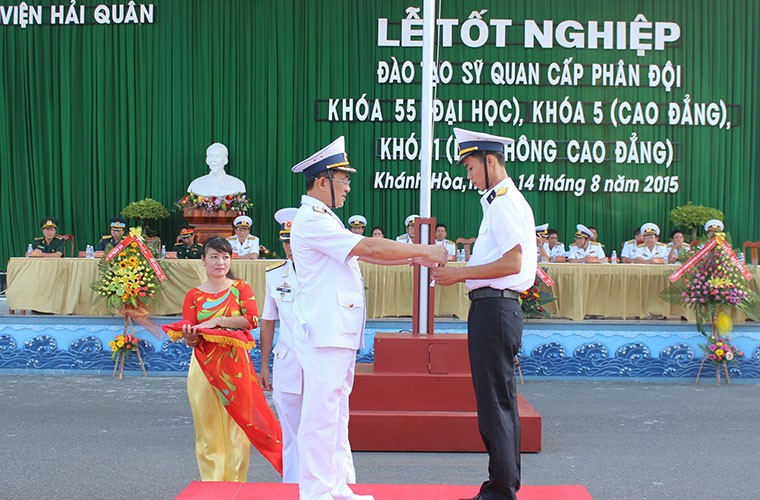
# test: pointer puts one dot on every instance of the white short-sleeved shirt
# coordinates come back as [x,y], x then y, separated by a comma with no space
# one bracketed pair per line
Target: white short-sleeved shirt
[629,249]
[281,291]
[660,251]
[450,246]
[507,222]
[593,249]
[249,246]
[330,304]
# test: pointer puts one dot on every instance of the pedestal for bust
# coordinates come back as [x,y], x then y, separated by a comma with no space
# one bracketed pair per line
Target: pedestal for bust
[210,223]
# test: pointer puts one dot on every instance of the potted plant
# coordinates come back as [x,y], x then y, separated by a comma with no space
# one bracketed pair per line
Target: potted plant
[143,212]
[694,216]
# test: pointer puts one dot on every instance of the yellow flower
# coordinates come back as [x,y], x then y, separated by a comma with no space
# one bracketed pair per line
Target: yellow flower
[720,352]
[133,244]
[120,343]
[723,323]
[122,264]
[122,254]
[132,261]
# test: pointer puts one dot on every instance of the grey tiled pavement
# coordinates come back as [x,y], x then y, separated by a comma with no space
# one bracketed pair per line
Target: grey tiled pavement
[95,437]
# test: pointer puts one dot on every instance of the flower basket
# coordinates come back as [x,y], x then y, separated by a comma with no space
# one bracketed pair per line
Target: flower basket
[711,282]
[130,278]
[122,346]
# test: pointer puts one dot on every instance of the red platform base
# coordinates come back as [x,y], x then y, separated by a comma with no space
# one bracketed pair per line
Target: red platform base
[418,396]
[198,490]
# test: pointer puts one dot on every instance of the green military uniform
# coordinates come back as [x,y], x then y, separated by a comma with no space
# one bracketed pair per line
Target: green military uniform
[107,243]
[194,251]
[57,244]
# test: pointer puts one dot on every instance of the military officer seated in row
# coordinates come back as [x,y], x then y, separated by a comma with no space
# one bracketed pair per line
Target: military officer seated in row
[585,250]
[107,242]
[244,244]
[408,236]
[50,244]
[554,247]
[677,246]
[440,239]
[629,247]
[287,377]
[713,226]
[651,251]
[187,248]
[542,235]
[357,223]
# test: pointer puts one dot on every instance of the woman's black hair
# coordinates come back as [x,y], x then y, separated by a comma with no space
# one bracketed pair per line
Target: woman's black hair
[221,245]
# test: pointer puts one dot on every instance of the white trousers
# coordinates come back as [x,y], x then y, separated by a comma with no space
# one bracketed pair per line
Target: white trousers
[289,411]
[325,461]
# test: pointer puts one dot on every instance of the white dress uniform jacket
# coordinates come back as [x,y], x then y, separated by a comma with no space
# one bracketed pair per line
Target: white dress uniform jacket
[450,246]
[282,288]
[249,246]
[404,238]
[660,251]
[557,251]
[331,284]
[629,249]
[507,222]
[593,248]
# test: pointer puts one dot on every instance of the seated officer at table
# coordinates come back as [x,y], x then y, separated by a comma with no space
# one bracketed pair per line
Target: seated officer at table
[408,236]
[585,250]
[357,223]
[50,244]
[244,244]
[629,247]
[542,234]
[440,239]
[107,242]
[187,248]
[676,247]
[651,251]
[554,247]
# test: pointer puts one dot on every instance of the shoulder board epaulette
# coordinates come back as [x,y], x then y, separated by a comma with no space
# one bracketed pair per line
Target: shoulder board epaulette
[320,209]
[58,237]
[252,238]
[641,245]
[276,267]
[231,238]
[630,242]
[596,243]
[449,241]
[105,236]
[39,239]
[661,244]
[501,191]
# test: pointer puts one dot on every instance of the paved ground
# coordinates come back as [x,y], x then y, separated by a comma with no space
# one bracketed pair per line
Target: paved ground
[95,437]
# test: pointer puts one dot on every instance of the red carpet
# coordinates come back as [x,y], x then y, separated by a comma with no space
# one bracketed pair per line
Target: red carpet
[198,490]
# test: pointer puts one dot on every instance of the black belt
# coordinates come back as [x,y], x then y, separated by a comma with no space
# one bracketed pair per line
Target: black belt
[488,293]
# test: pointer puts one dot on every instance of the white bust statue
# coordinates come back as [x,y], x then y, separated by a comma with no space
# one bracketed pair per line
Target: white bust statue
[217,183]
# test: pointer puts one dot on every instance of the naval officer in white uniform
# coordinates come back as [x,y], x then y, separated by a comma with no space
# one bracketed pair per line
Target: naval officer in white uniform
[244,244]
[287,378]
[585,250]
[651,251]
[408,236]
[503,264]
[331,315]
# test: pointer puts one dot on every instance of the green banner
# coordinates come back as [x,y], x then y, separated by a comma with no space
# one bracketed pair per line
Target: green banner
[620,110]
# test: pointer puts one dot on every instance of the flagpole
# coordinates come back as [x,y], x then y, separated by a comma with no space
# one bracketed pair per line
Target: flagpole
[426,147]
